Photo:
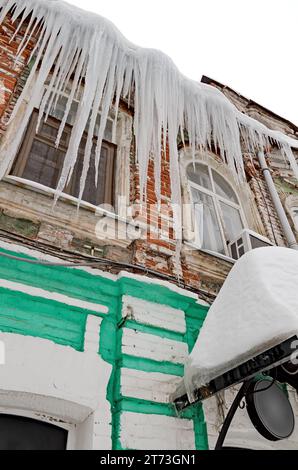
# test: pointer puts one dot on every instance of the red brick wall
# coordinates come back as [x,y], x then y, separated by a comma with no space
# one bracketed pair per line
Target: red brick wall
[13,69]
[157,251]
[264,203]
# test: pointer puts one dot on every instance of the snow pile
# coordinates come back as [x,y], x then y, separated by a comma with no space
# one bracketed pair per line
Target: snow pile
[256,309]
[75,45]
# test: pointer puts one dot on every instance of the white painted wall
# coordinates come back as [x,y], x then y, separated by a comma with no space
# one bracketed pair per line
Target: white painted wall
[151,386]
[153,431]
[144,431]
[154,347]
[67,386]
[96,432]
[150,313]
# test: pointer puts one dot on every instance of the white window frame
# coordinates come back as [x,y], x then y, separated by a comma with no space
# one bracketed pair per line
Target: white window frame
[76,100]
[216,200]
[294,211]
[70,428]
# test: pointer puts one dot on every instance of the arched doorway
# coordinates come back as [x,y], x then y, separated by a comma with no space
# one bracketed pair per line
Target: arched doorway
[22,433]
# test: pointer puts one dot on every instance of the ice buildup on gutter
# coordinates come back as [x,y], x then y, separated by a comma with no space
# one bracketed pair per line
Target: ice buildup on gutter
[73,44]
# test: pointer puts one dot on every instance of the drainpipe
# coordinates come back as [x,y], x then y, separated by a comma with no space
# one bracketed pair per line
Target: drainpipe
[288,232]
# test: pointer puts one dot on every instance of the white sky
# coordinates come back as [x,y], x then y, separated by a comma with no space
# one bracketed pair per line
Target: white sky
[249,45]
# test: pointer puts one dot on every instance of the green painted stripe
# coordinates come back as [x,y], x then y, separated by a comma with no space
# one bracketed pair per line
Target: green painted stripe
[154,330]
[149,365]
[34,316]
[157,293]
[54,302]
[93,288]
[116,430]
[201,435]
[66,324]
[114,384]
[197,312]
[67,281]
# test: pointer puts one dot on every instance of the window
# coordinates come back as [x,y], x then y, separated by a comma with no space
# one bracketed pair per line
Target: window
[295,217]
[39,160]
[217,212]
[21,433]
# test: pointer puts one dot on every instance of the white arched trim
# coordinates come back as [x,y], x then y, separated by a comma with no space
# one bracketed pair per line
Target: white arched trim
[59,384]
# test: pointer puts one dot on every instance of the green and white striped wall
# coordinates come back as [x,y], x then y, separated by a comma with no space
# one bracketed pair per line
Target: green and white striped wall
[147,328]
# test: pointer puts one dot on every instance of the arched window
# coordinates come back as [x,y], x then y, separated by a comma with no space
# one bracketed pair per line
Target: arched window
[217,213]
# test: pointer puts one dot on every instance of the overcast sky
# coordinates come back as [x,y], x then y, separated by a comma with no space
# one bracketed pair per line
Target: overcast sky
[249,45]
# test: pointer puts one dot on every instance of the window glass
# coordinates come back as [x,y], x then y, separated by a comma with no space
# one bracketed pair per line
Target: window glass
[222,188]
[58,113]
[41,161]
[42,165]
[199,174]
[206,221]
[21,433]
[94,195]
[295,217]
[216,209]
[232,221]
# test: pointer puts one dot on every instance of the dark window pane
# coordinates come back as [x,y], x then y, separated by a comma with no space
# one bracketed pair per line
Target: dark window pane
[43,164]
[234,251]
[257,243]
[241,251]
[40,161]
[94,195]
[50,132]
[239,242]
[20,433]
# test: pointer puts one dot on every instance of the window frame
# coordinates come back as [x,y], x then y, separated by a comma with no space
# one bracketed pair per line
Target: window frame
[294,213]
[217,199]
[23,154]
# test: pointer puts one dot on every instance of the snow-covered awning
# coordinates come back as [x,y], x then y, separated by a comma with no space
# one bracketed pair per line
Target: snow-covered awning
[256,309]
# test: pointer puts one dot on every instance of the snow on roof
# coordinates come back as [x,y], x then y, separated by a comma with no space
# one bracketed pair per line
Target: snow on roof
[256,309]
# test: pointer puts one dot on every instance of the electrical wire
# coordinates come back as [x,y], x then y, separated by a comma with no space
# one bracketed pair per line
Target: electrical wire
[96,262]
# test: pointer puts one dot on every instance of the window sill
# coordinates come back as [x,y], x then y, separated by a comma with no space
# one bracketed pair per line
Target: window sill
[211,253]
[96,211]
[40,188]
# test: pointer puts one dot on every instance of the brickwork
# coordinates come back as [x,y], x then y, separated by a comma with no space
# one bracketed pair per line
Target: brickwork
[13,68]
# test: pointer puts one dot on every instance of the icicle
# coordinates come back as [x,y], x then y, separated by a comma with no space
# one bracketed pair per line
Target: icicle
[71,41]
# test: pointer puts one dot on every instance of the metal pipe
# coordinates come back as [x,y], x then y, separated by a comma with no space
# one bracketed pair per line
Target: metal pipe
[227,422]
[288,232]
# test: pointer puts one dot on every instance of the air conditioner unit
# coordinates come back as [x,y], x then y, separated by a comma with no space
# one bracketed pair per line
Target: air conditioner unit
[247,240]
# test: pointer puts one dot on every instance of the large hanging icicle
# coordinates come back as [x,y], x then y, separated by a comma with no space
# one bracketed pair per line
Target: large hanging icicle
[74,44]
